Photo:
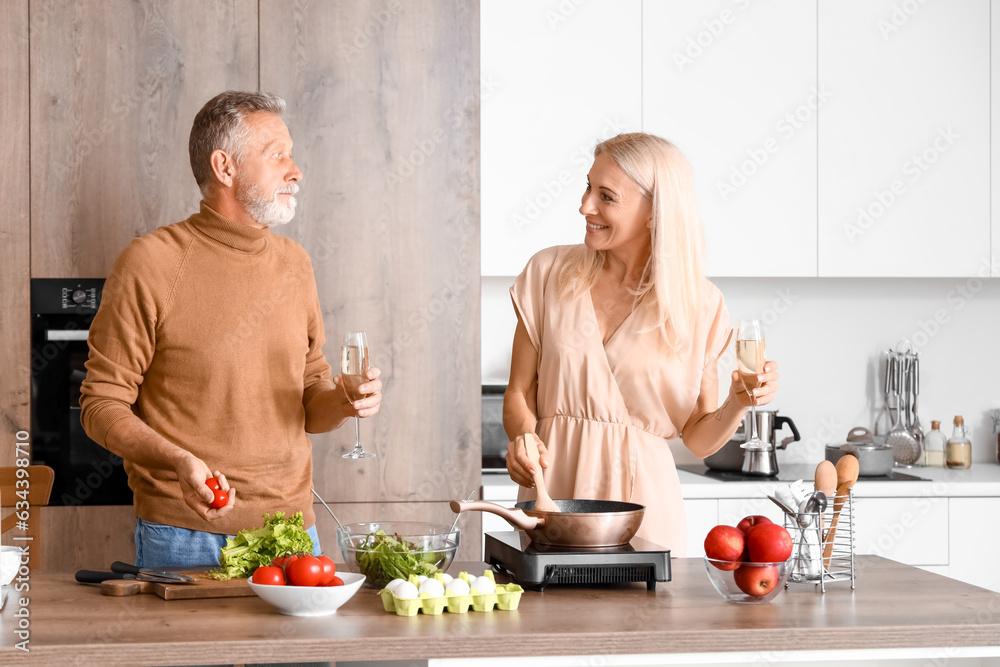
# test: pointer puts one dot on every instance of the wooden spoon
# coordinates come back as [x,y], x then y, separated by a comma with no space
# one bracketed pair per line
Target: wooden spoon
[543,502]
[847,477]
[826,481]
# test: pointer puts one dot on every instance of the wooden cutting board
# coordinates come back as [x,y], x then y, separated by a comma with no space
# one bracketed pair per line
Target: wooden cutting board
[202,587]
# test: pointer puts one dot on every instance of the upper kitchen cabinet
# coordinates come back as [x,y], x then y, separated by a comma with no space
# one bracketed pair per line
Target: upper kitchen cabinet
[733,84]
[114,88]
[904,138]
[557,78]
[995,136]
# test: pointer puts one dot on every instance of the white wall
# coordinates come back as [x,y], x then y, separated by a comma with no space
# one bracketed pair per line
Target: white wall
[826,334]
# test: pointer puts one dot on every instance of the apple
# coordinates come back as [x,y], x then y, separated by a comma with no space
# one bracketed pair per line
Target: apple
[725,543]
[769,543]
[756,580]
[749,522]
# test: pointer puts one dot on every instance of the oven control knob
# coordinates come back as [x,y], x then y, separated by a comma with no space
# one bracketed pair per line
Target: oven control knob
[79,296]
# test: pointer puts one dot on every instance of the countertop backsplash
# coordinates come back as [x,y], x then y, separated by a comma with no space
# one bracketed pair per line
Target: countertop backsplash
[827,334]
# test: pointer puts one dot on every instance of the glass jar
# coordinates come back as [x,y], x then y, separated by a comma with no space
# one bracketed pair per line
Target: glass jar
[934,446]
[958,452]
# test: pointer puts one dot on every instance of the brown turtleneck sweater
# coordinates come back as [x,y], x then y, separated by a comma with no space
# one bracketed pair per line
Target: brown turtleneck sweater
[211,332]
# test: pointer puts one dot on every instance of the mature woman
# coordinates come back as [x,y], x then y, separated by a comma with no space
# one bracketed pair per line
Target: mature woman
[617,344]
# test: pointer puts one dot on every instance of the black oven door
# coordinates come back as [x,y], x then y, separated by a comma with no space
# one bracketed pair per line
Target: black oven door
[85,472]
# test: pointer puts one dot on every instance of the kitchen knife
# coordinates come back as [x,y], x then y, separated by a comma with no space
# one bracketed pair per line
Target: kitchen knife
[147,572]
[95,577]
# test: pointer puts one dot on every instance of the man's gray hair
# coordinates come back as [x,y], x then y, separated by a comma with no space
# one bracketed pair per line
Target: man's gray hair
[220,126]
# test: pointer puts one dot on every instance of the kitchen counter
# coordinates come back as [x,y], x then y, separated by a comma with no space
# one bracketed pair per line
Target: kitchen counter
[981,480]
[894,609]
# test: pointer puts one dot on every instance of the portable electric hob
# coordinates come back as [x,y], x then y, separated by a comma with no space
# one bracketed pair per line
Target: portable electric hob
[535,566]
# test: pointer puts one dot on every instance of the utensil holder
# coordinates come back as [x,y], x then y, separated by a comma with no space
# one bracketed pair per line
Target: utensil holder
[809,533]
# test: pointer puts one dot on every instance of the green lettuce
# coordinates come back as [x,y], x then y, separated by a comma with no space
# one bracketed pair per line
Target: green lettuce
[389,557]
[254,547]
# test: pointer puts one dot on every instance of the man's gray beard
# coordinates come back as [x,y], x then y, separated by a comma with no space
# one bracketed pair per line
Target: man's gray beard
[267,212]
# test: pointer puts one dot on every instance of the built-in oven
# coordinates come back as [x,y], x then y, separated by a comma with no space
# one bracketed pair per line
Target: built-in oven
[85,472]
[494,437]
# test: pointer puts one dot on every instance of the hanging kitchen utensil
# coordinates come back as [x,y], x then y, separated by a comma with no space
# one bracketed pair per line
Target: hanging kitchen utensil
[905,450]
[578,523]
[915,429]
[884,413]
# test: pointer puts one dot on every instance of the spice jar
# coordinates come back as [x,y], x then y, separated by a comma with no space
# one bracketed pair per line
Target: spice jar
[958,452]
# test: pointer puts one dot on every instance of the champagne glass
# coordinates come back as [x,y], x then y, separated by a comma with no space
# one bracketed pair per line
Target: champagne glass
[353,369]
[750,360]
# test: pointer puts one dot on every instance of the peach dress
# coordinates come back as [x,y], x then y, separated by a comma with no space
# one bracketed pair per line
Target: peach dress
[606,412]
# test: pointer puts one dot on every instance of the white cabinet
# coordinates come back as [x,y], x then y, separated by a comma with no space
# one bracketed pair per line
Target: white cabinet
[995,135]
[904,150]
[702,516]
[557,79]
[911,530]
[733,84]
[975,541]
[732,510]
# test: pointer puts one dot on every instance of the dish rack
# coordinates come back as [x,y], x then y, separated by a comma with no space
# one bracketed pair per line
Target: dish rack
[809,540]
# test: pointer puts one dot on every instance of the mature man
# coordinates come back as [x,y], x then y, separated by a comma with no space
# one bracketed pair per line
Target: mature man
[206,354]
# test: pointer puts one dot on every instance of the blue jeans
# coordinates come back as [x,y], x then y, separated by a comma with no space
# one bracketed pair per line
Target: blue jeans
[158,545]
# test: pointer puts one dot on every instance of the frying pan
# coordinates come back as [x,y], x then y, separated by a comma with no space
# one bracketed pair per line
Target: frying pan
[578,523]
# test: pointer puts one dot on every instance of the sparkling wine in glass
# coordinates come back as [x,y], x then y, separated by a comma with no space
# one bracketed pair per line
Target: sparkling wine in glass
[353,369]
[750,360]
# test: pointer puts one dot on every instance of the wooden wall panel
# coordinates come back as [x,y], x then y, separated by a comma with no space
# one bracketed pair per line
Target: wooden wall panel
[114,87]
[15,331]
[383,106]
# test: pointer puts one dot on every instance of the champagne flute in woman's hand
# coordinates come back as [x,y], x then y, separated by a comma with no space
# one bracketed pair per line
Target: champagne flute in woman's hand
[353,371]
[750,360]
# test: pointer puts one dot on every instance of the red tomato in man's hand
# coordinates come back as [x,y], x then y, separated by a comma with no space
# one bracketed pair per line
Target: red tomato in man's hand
[305,571]
[268,576]
[221,499]
[213,483]
[329,570]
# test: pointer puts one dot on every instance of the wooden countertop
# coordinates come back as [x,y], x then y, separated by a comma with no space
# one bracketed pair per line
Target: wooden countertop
[893,606]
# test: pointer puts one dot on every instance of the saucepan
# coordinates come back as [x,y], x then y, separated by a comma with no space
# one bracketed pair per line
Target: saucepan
[874,458]
[578,523]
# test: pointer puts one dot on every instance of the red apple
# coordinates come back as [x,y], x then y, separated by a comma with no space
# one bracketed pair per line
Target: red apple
[756,580]
[749,522]
[725,543]
[769,543]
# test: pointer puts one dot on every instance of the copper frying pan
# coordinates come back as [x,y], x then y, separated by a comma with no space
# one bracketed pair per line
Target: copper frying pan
[578,523]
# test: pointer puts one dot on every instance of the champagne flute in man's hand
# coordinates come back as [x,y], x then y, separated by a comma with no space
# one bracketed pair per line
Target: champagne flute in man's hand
[750,360]
[353,373]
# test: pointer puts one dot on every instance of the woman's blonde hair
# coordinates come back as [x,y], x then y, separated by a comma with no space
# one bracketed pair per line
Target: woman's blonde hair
[675,270]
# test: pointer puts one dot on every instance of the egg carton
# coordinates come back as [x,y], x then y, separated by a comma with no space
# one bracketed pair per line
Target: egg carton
[505,596]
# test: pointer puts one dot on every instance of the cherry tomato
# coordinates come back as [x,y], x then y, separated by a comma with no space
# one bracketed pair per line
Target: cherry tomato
[221,499]
[337,581]
[283,561]
[213,483]
[329,570]
[304,571]
[269,576]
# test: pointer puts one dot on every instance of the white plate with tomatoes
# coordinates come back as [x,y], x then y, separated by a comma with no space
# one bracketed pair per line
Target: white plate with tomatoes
[305,585]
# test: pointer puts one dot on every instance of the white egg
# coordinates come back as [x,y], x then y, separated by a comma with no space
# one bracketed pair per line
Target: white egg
[447,578]
[458,587]
[421,578]
[393,584]
[432,587]
[407,591]
[484,585]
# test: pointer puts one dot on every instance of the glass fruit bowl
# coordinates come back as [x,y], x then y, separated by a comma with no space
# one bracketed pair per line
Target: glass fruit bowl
[387,550]
[747,583]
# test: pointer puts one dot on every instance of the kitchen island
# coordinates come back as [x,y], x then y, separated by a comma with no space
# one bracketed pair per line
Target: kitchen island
[895,611]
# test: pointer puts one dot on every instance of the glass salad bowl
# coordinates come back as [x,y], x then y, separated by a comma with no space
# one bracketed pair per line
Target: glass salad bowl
[387,550]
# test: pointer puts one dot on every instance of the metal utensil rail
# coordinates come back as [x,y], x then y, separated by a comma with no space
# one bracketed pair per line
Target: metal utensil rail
[809,538]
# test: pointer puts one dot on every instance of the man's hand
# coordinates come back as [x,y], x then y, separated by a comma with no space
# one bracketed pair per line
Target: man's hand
[369,405]
[191,474]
